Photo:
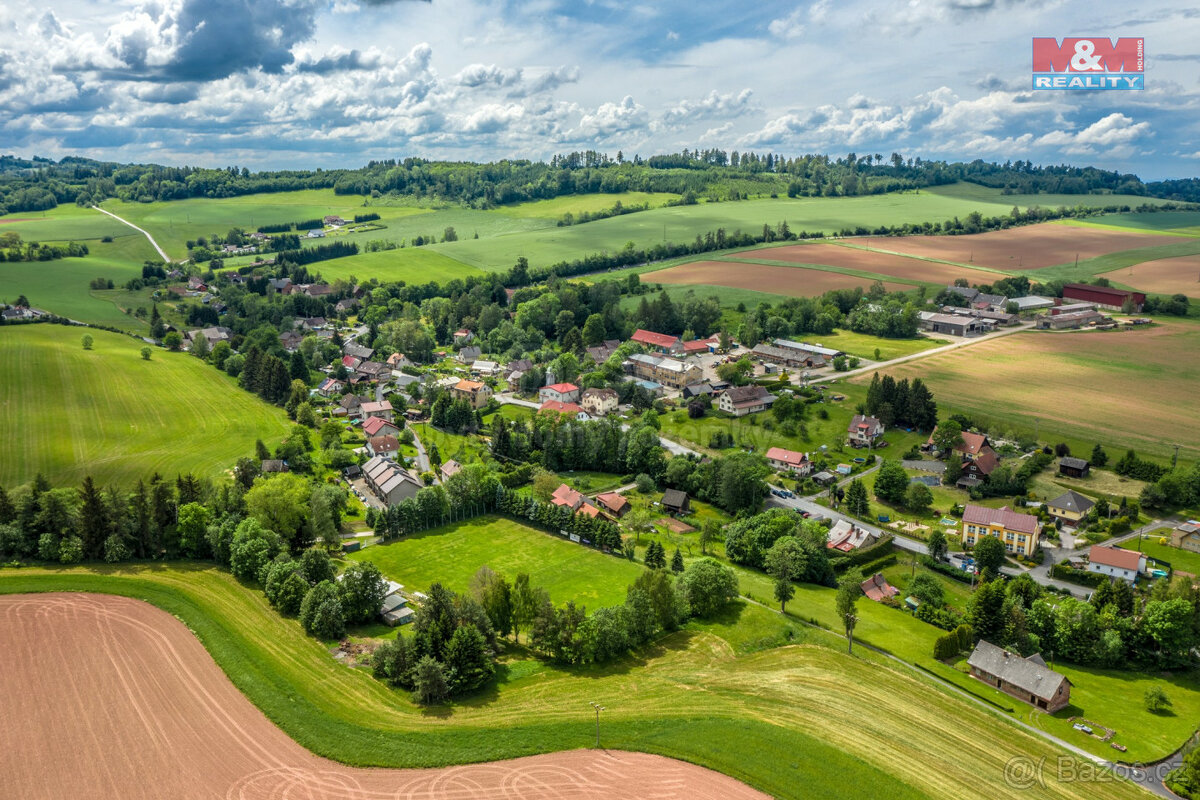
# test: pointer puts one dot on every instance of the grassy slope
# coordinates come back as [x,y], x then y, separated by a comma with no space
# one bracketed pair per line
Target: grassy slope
[453,553]
[793,721]
[70,412]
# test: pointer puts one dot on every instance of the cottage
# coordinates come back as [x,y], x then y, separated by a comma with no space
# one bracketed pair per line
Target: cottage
[1074,467]
[462,336]
[380,426]
[603,351]
[474,392]
[972,445]
[399,361]
[988,302]
[743,400]
[1116,562]
[389,481]
[1186,536]
[383,446]
[824,478]
[1027,679]
[316,233]
[566,497]
[877,588]
[1070,507]
[521,365]
[599,402]
[330,387]
[449,469]
[675,502]
[212,336]
[381,409]
[290,340]
[782,460]
[351,406]
[350,362]
[976,470]
[559,393]
[469,355]
[373,371]
[270,465]
[863,431]
[615,504]
[312,323]
[279,285]
[1018,532]
[656,342]
[346,305]
[846,536]
[1105,296]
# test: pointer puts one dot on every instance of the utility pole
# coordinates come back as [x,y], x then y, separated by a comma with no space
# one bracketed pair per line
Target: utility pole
[598,708]
[1175,458]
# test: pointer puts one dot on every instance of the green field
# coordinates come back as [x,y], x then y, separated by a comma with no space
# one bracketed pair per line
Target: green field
[555,207]
[1181,222]
[804,720]
[451,555]
[1177,557]
[68,412]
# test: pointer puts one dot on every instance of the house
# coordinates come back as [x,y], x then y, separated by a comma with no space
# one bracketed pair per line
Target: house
[399,361]
[1074,467]
[346,305]
[381,409]
[989,302]
[699,346]
[379,426]
[656,342]
[965,292]
[667,371]
[781,460]
[567,497]
[211,335]
[697,390]
[449,469]
[280,285]
[786,357]
[312,323]
[972,445]
[1186,536]
[1104,296]
[316,289]
[559,393]
[864,430]
[615,504]
[474,392]
[976,470]
[389,481]
[270,465]
[358,351]
[846,536]
[568,409]
[1070,507]
[334,219]
[350,362]
[1018,532]
[521,365]
[351,405]
[653,388]
[675,502]
[330,387]
[824,478]
[481,367]
[1116,562]
[373,371]
[395,609]
[743,400]
[469,355]
[462,336]
[877,588]
[952,324]
[1027,679]
[599,402]
[290,341]
[316,233]
[383,446]
[603,351]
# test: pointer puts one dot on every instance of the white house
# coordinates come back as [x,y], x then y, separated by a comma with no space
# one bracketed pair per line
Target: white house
[1116,562]
[559,393]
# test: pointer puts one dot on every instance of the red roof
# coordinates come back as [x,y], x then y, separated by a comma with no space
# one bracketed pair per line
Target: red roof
[562,388]
[375,424]
[971,442]
[384,444]
[1117,557]
[877,588]
[561,408]
[566,496]
[612,501]
[696,346]
[656,339]
[1010,520]
[786,456]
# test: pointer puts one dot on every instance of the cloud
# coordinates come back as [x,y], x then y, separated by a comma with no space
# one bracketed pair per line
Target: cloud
[613,118]
[479,75]
[340,60]
[789,27]
[714,104]
[1113,133]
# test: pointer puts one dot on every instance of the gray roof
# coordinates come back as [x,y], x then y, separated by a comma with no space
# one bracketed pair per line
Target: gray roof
[1023,673]
[965,291]
[805,346]
[1072,462]
[674,498]
[1072,501]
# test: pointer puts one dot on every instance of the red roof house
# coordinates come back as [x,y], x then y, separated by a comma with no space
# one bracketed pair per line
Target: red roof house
[878,589]
[656,341]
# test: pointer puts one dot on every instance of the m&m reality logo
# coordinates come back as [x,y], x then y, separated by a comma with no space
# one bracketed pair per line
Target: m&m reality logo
[1089,63]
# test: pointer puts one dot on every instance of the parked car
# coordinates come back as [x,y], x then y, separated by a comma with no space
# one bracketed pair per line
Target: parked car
[1079,726]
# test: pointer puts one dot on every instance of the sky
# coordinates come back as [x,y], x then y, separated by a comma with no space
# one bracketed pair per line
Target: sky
[277,84]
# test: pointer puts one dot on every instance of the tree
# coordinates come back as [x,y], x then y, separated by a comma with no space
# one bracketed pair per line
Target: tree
[709,587]
[848,592]
[429,682]
[786,561]
[252,549]
[953,471]
[544,484]
[467,659]
[655,557]
[87,341]
[891,482]
[395,661]
[594,330]
[937,545]
[857,501]
[927,589]
[989,556]
[1156,700]
[281,502]
[494,594]
[146,353]
[305,415]
[918,498]
[172,341]
[199,347]
[363,589]
[985,611]
[321,613]
[526,599]
[947,437]
[677,562]
[1099,457]
[192,527]
[316,566]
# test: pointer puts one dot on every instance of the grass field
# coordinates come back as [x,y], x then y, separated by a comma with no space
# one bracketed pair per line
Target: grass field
[555,207]
[1177,557]
[798,721]
[1179,222]
[413,265]
[451,555]
[864,345]
[106,412]
[1130,388]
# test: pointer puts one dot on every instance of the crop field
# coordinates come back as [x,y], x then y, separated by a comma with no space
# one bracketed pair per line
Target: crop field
[1178,222]
[555,207]
[1163,276]
[1130,388]
[452,554]
[852,256]
[106,412]
[413,265]
[802,720]
[791,281]
[1028,247]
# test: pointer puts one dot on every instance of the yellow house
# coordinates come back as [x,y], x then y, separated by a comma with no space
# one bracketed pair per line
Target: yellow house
[1187,537]
[1018,532]
[1070,507]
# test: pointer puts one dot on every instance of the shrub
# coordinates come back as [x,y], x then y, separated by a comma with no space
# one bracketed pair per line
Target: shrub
[708,586]
[70,551]
[1156,700]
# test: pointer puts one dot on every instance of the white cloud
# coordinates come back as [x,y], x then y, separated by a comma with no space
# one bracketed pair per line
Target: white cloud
[789,27]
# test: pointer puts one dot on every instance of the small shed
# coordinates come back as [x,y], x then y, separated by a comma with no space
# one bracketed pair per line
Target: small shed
[675,501]
[1074,467]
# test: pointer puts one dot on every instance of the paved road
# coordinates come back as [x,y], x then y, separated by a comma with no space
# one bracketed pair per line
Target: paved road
[166,259]
[422,457]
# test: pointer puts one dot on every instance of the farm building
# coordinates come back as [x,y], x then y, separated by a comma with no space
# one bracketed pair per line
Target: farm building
[877,588]
[559,393]
[1072,308]
[787,357]
[864,430]
[1186,536]
[1116,562]
[952,324]
[743,400]
[1073,467]
[1070,507]
[676,502]
[825,478]
[1027,679]
[1076,319]
[1018,532]
[657,342]
[1104,296]
[965,292]
[1032,303]
[827,353]
[782,460]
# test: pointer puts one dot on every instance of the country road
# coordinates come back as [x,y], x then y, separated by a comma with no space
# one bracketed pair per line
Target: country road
[166,259]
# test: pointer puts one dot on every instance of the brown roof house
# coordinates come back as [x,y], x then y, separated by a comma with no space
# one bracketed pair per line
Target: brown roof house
[743,400]
[864,430]
[1074,467]
[1027,679]
[613,503]
[878,589]
[1186,536]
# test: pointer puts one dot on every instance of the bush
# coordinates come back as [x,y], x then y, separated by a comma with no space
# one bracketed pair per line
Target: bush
[70,551]
[708,586]
[395,661]
[321,612]
[645,484]
[1156,700]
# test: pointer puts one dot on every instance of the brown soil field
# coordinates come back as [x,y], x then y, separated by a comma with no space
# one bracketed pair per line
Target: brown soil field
[1026,247]
[1162,276]
[792,281]
[110,697]
[913,269]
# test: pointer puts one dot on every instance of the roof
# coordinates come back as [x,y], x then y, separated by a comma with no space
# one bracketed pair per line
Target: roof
[877,588]
[450,468]
[811,348]
[1024,673]
[374,425]
[1011,520]
[1073,463]
[1116,557]
[948,319]
[566,496]
[696,345]
[468,386]
[787,456]
[972,443]
[1188,527]
[375,408]
[561,408]
[674,498]
[747,395]
[562,388]
[1105,291]
[864,423]
[612,501]
[599,393]
[383,444]
[965,291]
[986,461]
[656,339]
[1072,501]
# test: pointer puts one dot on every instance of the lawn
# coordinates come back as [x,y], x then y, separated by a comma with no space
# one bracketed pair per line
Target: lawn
[864,345]
[452,554]
[463,449]
[555,207]
[1177,557]
[804,720]
[106,412]
[1181,222]
[413,265]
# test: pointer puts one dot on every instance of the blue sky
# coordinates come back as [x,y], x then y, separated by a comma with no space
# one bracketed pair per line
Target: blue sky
[299,83]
